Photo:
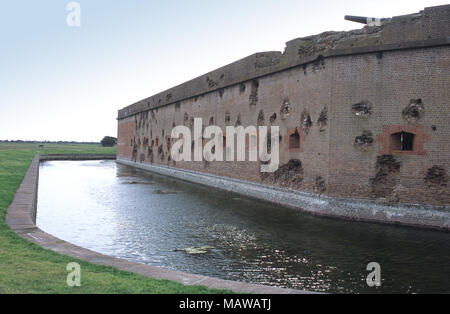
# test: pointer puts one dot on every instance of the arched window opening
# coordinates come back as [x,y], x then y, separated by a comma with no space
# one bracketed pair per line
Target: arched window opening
[402,141]
[294,140]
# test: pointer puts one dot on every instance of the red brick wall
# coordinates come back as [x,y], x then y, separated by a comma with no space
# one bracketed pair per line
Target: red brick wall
[328,153]
[125,139]
[389,82]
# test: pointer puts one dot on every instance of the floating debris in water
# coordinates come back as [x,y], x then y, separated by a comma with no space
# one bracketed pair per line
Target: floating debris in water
[195,250]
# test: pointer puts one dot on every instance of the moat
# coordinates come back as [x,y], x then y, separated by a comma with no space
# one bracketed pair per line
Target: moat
[131,214]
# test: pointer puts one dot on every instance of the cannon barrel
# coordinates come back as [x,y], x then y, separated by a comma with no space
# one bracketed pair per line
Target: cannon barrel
[371,21]
[357,19]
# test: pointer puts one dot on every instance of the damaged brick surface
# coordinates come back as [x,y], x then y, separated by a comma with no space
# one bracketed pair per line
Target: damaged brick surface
[364,141]
[238,121]
[306,121]
[273,118]
[414,111]
[261,118]
[386,171]
[436,176]
[286,109]
[289,175]
[253,98]
[362,109]
[227,118]
[320,185]
[323,119]
[318,44]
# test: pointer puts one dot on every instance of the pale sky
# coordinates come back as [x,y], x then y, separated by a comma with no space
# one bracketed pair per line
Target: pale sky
[67,83]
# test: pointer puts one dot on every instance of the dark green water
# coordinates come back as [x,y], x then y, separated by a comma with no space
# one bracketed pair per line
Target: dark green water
[124,212]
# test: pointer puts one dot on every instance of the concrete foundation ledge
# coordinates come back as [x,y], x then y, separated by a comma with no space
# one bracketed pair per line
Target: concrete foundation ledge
[423,216]
[21,216]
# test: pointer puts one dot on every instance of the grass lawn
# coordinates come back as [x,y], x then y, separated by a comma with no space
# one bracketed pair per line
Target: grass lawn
[28,268]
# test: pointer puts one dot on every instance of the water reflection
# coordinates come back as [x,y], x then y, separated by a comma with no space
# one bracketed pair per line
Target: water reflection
[124,212]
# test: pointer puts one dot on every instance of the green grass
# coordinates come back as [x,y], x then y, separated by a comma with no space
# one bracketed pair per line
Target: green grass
[29,268]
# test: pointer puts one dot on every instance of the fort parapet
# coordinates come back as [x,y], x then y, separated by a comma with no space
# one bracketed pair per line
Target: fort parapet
[363,115]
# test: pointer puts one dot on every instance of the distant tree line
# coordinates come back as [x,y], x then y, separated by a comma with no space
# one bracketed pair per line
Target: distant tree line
[107,141]
[46,142]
